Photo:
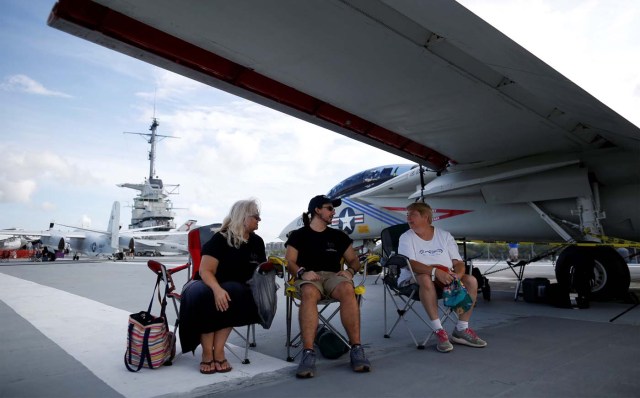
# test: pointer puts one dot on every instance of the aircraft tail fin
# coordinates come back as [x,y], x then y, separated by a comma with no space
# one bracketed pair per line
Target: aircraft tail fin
[114,225]
[187,226]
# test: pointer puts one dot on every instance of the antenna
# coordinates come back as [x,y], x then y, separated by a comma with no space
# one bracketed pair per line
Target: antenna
[153,139]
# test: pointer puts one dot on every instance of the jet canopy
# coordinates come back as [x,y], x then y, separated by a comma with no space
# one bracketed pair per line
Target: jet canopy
[368,179]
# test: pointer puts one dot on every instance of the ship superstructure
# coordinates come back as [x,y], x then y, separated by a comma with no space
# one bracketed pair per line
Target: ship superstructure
[152,206]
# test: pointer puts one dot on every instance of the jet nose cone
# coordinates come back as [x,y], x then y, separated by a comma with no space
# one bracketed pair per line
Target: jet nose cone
[293,225]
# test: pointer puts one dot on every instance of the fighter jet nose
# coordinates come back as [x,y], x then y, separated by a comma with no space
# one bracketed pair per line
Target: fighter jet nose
[293,225]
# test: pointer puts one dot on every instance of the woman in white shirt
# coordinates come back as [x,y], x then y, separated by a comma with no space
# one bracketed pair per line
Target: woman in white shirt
[435,260]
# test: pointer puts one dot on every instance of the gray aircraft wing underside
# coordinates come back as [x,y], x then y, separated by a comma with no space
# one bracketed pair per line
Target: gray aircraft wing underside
[429,81]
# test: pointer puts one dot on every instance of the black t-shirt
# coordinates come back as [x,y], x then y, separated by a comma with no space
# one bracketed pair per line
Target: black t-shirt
[235,264]
[319,251]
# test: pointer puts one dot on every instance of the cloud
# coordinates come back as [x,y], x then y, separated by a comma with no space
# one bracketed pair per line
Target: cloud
[22,174]
[48,206]
[85,221]
[25,84]
[170,86]
[16,191]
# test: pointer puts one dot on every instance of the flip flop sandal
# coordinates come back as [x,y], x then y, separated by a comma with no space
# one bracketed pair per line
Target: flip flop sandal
[212,369]
[224,370]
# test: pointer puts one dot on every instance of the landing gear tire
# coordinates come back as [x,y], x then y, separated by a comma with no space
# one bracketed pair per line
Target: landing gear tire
[611,274]
[486,292]
[483,284]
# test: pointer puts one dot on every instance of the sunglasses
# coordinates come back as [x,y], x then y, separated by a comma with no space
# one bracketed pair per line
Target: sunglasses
[329,207]
[256,216]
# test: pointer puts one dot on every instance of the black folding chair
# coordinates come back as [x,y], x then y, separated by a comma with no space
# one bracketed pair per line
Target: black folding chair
[404,297]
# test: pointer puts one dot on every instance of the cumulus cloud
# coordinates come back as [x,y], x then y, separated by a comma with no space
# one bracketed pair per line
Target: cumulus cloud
[25,84]
[22,174]
[16,190]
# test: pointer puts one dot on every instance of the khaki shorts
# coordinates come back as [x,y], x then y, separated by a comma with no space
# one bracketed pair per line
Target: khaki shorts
[327,283]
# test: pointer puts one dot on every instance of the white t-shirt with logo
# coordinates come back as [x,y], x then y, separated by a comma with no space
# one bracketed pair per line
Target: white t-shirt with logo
[442,249]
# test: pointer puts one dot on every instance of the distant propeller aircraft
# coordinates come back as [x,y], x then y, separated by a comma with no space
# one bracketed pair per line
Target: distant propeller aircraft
[91,243]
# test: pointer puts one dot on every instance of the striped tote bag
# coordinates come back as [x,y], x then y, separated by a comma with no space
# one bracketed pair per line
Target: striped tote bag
[149,342]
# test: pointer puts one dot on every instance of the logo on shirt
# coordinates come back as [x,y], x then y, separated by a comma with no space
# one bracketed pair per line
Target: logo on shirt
[331,247]
[435,252]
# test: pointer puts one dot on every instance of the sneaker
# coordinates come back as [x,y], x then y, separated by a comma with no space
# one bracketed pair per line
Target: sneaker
[443,341]
[467,337]
[359,363]
[307,367]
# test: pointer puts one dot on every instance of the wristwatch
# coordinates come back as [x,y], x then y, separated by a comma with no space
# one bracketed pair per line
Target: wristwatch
[433,274]
[301,271]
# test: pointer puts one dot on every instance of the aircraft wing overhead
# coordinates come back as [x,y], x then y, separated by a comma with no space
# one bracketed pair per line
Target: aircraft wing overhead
[429,81]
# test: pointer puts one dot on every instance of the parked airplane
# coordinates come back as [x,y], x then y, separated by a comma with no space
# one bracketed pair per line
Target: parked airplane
[377,198]
[513,144]
[12,242]
[89,242]
[166,242]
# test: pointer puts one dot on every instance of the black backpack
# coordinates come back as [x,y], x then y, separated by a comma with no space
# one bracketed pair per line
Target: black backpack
[330,345]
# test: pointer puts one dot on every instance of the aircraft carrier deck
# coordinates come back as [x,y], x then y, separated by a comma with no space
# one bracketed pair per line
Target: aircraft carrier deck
[63,334]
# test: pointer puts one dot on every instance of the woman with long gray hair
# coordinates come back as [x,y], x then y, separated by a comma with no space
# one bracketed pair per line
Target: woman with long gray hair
[220,298]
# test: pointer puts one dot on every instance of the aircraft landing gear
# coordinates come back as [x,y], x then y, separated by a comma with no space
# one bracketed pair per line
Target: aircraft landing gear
[611,276]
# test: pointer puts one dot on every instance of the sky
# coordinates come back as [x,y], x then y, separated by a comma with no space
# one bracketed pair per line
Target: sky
[66,103]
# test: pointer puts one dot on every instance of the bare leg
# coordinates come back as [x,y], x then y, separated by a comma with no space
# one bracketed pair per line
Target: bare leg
[428,296]
[219,340]
[308,314]
[206,341]
[471,284]
[349,311]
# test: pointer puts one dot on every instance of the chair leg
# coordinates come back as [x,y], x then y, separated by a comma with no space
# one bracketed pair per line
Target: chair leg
[247,344]
[289,307]
[407,305]
[253,335]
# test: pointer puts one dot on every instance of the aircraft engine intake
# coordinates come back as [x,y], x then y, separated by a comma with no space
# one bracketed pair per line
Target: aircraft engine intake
[54,242]
[126,242]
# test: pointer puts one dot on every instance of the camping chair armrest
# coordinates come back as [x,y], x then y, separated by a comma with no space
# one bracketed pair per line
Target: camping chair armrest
[280,265]
[178,268]
[362,276]
[397,261]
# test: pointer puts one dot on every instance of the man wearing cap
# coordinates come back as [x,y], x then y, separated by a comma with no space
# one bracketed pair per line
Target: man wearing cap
[314,254]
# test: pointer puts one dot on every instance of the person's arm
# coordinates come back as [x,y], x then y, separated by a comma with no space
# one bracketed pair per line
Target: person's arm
[291,256]
[458,265]
[208,268]
[459,268]
[353,264]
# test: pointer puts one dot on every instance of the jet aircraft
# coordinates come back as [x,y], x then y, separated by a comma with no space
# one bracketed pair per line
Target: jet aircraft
[167,242]
[519,147]
[92,243]
[375,199]
[12,242]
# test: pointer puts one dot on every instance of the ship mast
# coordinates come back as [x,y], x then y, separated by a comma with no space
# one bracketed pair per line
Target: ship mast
[151,207]
[153,139]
